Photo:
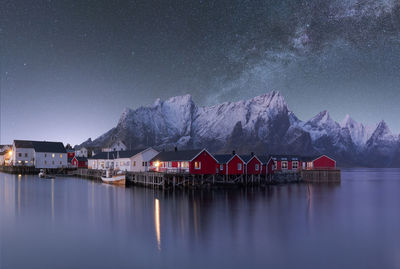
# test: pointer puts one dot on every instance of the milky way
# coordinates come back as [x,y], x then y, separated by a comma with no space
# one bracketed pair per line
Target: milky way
[80,63]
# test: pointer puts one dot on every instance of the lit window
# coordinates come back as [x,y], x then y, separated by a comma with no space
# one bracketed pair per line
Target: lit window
[239,166]
[295,165]
[26,161]
[221,167]
[284,165]
[257,167]
[53,155]
[19,161]
[60,156]
[197,165]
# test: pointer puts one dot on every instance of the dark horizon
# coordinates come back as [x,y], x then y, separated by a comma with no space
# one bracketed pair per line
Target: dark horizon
[68,69]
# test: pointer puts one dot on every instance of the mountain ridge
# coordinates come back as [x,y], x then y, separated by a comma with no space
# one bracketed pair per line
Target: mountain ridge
[263,124]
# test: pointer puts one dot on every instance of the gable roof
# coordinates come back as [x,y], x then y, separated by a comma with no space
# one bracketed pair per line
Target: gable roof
[23,143]
[54,147]
[41,146]
[116,154]
[180,155]
[313,158]
[226,158]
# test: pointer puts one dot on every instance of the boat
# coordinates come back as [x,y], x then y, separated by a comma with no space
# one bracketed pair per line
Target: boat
[118,179]
[43,174]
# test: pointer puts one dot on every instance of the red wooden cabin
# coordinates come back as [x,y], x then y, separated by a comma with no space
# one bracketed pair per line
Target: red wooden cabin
[80,162]
[253,165]
[319,162]
[230,164]
[283,164]
[199,162]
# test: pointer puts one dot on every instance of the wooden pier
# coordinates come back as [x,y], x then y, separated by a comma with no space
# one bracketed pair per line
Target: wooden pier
[185,180]
[321,176]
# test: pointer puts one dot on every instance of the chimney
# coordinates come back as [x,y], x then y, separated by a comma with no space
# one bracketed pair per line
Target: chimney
[233,152]
[252,154]
[176,149]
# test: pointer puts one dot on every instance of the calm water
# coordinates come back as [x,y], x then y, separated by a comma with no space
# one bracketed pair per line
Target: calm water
[77,223]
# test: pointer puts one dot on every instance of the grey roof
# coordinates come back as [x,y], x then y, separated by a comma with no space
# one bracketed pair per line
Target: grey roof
[285,157]
[264,158]
[246,158]
[115,154]
[180,155]
[223,158]
[23,143]
[310,158]
[41,146]
[81,159]
[54,147]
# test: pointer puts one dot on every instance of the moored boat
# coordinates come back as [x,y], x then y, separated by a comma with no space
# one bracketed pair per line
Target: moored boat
[118,179]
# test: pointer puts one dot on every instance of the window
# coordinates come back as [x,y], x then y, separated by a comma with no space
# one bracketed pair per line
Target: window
[221,167]
[26,161]
[26,154]
[19,161]
[45,162]
[295,165]
[53,162]
[239,166]
[19,154]
[60,162]
[275,165]
[53,155]
[60,156]
[45,155]
[284,165]
[257,167]
[197,165]
[134,163]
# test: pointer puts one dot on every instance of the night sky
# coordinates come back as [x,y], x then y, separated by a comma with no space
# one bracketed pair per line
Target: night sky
[69,68]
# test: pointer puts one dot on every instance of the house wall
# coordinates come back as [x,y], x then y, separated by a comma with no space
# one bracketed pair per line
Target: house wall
[251,167]
[82,152]
[51,160]
[233,166]
[27,157]
[324,162]
[223,171]
[207,164]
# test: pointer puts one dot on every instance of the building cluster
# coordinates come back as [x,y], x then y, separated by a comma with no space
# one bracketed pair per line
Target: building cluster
[116,156]
[203,162]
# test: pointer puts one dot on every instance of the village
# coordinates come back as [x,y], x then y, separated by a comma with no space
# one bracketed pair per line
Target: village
[148,166]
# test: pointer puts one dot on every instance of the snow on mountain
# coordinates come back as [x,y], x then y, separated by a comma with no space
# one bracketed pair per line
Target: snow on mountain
[263,124]
[358,132]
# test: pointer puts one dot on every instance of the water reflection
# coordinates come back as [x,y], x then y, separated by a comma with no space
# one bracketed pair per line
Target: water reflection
[237,228]
[157,222]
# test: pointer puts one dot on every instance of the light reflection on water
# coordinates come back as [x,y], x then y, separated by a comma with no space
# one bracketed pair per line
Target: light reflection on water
[72,222]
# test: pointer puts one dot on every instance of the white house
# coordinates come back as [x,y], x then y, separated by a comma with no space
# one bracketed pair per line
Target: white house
[131,160]
[41,154]
[50,155]
[82,152]
[115,146]
[23,153]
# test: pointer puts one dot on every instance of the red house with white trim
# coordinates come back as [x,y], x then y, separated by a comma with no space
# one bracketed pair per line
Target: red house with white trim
[253,165]
[322,162]
[199,162]
[283,164]
[79,162]
[230,164]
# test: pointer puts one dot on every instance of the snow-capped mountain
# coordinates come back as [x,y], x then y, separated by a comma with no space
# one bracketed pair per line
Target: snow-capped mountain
[263,124]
